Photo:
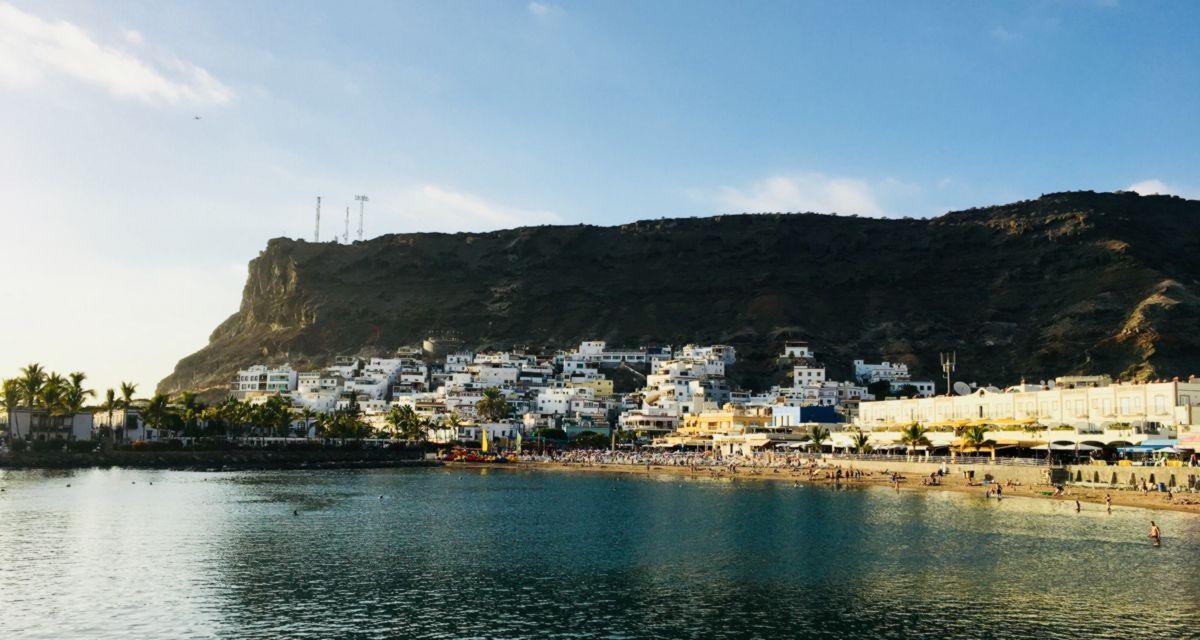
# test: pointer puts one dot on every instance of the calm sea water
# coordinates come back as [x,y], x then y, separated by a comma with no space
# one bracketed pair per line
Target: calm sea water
[508,553]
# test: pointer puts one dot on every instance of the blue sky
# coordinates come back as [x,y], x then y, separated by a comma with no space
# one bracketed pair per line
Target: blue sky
[128,223]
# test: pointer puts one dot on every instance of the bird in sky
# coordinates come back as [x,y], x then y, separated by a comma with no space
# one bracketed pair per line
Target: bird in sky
[195,117]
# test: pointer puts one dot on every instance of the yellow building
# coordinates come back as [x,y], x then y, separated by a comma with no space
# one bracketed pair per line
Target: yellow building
[601,388]
[699,430]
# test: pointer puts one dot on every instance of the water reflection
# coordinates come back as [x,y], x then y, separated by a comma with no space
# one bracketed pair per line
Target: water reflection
[461,553]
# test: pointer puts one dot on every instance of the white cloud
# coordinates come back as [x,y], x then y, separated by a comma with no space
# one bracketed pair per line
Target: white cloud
[1154,186]
[33,49]
[430,207]
[802,192]
[543,9]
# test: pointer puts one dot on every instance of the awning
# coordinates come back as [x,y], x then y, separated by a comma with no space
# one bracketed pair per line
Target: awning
[1065,447]
[1141,448]
[1158,443]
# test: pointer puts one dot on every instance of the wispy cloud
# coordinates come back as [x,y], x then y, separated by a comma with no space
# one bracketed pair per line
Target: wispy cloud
[1155,186]
[800,192]
[430,207]
[543,9]
[33,49]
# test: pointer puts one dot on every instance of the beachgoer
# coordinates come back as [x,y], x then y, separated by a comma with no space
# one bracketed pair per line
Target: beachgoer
[1155,534]
[1108,502]
[1077,506]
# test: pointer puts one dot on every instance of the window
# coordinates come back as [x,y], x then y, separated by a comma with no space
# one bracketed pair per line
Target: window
[1160,404]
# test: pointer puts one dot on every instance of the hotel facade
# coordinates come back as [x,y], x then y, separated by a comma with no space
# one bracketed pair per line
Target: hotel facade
[1162,408]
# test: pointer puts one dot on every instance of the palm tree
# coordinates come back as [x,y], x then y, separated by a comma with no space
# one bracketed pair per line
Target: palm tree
[975,437]
[492,407]
[403,420]
[189,409]
[914,435]
[74,394]
[33,377]
[127,391]
[11,399]
[861,441]
[52,395]
[157,413]
[817,434]
[110,403]
[307,415]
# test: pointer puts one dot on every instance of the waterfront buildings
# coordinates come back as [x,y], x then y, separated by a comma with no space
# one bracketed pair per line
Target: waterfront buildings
[35,424]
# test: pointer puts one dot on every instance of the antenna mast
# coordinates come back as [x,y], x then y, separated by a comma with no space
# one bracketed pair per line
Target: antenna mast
[362,200]
[948,362]
[346,235]
[317,230]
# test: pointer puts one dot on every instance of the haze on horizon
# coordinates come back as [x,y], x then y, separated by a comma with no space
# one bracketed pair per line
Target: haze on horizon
[148,150]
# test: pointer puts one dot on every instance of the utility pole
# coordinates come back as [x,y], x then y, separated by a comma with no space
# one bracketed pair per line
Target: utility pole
[362,200]
[948,362]
[346,235]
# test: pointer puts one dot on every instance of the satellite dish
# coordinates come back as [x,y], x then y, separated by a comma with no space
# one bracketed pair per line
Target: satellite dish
[962,388]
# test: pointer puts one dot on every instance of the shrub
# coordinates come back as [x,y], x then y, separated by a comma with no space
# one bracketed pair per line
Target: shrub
[157,445]
[47,445]
[81,446]
[18,445]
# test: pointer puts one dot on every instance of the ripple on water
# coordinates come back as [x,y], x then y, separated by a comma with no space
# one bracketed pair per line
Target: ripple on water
[452,554]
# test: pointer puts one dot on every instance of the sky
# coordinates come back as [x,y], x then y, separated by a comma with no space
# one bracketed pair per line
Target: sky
[148,150]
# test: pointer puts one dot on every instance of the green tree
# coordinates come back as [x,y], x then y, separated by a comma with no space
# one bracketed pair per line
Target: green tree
[33,377]
[107,406]
[913,436]
[861,441]
[74,393]
[817,434]
[157,414]
[274,415]
[975,437]
[880,389]
[306,417]
[551,433]
[10,397]
[53,395]
[127,391]
[492,407]
[402,420]
[590,440]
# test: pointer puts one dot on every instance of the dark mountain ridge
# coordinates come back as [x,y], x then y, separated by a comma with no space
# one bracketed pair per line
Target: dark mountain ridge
[1077,282]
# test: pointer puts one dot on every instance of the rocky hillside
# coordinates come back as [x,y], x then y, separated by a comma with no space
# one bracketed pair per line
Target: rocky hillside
[1072,282]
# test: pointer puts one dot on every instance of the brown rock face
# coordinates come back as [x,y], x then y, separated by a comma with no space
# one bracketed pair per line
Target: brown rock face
[1068,283]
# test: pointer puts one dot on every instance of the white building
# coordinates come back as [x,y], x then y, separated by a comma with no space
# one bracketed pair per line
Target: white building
[260,378]
[797,349]
[1159,407]
[867,373]
[39,425]
[807,374]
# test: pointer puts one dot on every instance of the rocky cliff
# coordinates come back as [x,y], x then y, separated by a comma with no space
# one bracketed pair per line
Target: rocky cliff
[1068,283]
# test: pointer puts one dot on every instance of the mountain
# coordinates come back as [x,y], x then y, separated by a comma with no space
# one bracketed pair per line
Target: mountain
[1077,282]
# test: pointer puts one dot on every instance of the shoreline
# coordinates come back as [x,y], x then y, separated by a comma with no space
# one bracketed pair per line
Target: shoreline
[950,482]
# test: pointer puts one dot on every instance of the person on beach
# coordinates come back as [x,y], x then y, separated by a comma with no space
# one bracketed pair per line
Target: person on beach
[1078,507]
[1108,502]
[1155,534]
